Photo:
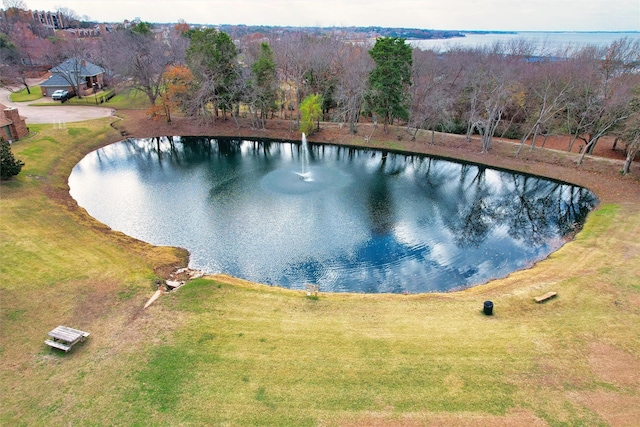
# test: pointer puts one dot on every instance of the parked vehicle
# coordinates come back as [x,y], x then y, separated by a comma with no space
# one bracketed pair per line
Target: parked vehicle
[60,95]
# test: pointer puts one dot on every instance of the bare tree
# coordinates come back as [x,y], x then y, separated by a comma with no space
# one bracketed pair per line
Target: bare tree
[324,66]
[632,139]
[307,63]
[139,58]
[70,18]
[599,100]
[546,86]
[631,130]
[432,91]
[292,65]
[14,4]
[491,88]
[23,47]
[356,65]
[69,58]
[462,62]
[612,112]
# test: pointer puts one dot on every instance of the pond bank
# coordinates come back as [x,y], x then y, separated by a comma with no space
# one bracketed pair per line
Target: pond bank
[600,175]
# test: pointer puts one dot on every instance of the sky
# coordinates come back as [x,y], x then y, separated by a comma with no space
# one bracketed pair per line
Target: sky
[509,15]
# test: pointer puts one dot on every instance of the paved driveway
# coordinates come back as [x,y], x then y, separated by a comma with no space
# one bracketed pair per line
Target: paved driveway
[55,114]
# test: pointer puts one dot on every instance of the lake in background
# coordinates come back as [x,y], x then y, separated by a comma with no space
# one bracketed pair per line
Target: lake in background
[547,42]
[358,220]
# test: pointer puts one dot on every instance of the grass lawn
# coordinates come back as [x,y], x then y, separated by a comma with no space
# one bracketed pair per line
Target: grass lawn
[220,351]
[24,96]
[130,99]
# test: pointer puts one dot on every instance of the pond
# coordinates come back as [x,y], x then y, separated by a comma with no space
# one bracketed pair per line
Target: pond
[349,220]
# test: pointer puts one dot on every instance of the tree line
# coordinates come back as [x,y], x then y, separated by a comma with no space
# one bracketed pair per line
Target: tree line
[501,90]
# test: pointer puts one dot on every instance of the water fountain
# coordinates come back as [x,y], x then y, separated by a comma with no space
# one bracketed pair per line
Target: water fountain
[304,178]
[305,173]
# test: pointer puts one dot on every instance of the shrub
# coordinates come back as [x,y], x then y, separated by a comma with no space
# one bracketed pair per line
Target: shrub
[455,127]
[9,166]
[511,132]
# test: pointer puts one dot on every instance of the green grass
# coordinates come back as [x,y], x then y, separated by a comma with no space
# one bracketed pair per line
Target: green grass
[327,355]
[24,96]
[129,99]
[126,99]
[220,351]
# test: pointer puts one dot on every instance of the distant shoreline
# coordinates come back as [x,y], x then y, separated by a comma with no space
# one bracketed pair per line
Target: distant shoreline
[547,41]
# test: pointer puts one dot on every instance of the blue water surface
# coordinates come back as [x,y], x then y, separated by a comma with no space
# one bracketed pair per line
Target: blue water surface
[360,221]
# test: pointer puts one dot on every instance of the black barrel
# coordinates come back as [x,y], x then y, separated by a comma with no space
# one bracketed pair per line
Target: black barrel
[488,308]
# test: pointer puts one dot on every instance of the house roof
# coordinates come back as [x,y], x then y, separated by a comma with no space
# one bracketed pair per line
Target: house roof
[4,121]
[74,65]
[55,80]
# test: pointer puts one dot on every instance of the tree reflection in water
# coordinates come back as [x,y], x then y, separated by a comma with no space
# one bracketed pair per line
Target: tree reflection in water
[379,222]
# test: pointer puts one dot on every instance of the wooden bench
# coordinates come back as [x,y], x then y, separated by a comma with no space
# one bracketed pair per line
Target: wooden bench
[545,297]
[64,338]
[57,344]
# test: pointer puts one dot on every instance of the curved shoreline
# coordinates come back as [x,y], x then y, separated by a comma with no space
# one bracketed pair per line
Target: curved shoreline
[598,175]
[400,267]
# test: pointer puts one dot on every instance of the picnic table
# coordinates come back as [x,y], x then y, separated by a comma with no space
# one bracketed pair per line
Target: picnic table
[65,337]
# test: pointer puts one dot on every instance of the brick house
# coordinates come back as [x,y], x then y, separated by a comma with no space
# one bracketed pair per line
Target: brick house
[12,126]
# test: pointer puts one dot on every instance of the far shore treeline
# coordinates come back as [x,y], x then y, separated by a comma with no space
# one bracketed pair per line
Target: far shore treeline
[506,89]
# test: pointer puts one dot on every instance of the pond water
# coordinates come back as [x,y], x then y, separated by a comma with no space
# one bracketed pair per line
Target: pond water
[348,220]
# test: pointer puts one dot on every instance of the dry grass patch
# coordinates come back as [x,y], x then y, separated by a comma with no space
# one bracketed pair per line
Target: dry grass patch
[615,409]
[515,418]
[615,366]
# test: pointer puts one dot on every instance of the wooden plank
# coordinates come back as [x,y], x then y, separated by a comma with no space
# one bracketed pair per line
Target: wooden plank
[59,345]
[73,331]
[63,335]
[68,335]
[155,296]
[545,297]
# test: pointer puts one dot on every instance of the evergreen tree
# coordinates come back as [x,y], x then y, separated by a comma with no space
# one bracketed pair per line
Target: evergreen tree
[265,80]
[212,57]
[9,165]
[390,79]
[142,28]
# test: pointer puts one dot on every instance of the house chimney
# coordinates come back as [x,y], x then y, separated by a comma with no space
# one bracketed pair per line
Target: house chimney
[12,114]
